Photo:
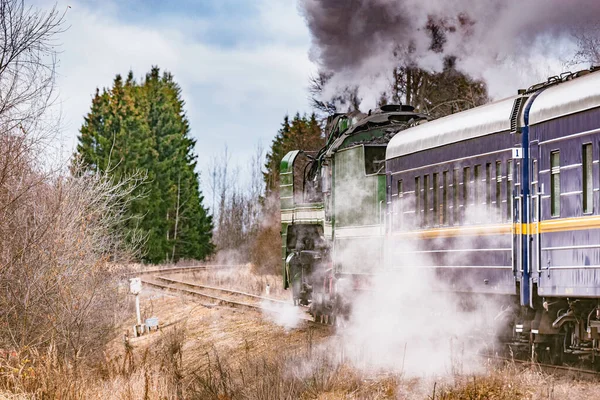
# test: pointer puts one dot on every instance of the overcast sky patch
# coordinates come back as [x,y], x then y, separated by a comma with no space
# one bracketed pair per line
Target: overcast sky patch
[241,68]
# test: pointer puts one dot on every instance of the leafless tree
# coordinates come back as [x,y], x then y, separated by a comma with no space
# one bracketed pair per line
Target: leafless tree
[237,205]
[346,100]
[57,231]
[587,39]
[256,188]
[28,49]
[219,185]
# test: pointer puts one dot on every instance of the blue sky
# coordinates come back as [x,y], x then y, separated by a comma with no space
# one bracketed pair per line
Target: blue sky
[242,65]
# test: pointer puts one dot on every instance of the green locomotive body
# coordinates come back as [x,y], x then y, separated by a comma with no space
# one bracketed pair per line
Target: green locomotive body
[333,207]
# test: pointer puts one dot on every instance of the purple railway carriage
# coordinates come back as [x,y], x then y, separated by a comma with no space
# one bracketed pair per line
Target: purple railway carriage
[502,201]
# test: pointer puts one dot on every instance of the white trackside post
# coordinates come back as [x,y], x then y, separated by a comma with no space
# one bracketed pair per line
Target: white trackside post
[135,287]
[137,309]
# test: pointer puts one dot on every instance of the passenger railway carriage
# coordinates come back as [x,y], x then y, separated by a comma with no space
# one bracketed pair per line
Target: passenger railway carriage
[501,200]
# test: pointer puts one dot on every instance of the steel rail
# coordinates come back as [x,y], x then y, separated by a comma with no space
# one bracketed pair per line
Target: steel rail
[223,290]
[219,300]
[183,269]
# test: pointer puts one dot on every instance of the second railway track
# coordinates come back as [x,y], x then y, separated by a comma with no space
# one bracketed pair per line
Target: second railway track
[222,296]
[173,270]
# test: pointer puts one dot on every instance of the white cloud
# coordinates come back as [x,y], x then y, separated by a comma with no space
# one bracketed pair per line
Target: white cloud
[234,95]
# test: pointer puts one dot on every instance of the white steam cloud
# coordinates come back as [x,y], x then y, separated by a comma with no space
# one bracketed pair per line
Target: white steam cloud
[410,322]
[287,316]
[508,43]
[407,319]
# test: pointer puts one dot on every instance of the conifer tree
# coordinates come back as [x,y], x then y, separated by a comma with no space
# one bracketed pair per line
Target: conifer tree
[274,156]
[143,126]
[303,133]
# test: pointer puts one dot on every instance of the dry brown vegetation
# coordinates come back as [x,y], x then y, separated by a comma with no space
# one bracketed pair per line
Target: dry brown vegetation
[217,353]
[59,297]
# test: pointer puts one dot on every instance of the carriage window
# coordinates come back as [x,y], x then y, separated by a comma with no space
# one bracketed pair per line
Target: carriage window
[455,197]
[466,179]
[417,202]
[509,192]
[436,204]
[488,184]
[477,182]
[534,190]
[555,183]
[425,200]
[399,208]
[445,198]
[588,183]
[499,189]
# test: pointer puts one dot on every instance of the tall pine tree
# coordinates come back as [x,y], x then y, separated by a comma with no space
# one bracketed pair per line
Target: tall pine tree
[134,127]
[303,133]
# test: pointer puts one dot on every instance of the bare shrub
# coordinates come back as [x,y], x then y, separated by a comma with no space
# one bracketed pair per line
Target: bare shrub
[58,293]
[265,249]
[57,288]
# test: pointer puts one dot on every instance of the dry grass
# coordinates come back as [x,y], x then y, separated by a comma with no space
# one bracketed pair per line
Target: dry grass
[508,382]
[209,354]
[214,353]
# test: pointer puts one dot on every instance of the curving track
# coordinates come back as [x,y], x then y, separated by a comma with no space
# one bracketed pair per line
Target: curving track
[214,296]
[172,270]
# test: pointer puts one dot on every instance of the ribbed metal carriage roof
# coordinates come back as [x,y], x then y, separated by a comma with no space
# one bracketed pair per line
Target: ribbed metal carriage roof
[480,121]
[570,97]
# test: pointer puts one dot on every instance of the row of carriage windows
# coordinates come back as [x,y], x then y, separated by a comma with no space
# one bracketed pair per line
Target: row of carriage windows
[474,184]
[477,191]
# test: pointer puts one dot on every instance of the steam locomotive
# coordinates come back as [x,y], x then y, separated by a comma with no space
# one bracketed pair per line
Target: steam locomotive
[498,201]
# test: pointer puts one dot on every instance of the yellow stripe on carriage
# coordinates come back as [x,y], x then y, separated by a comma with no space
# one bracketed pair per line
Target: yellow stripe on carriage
[556,225]
[469,230]
[570,224]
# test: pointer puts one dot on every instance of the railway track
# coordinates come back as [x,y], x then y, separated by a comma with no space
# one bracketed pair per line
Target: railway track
[221,296]
[173,270]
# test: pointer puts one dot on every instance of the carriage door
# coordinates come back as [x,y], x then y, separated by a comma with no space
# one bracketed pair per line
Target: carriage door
[534,212]
[514,198]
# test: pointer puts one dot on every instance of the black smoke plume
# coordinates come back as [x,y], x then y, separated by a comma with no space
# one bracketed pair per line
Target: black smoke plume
[354,39]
